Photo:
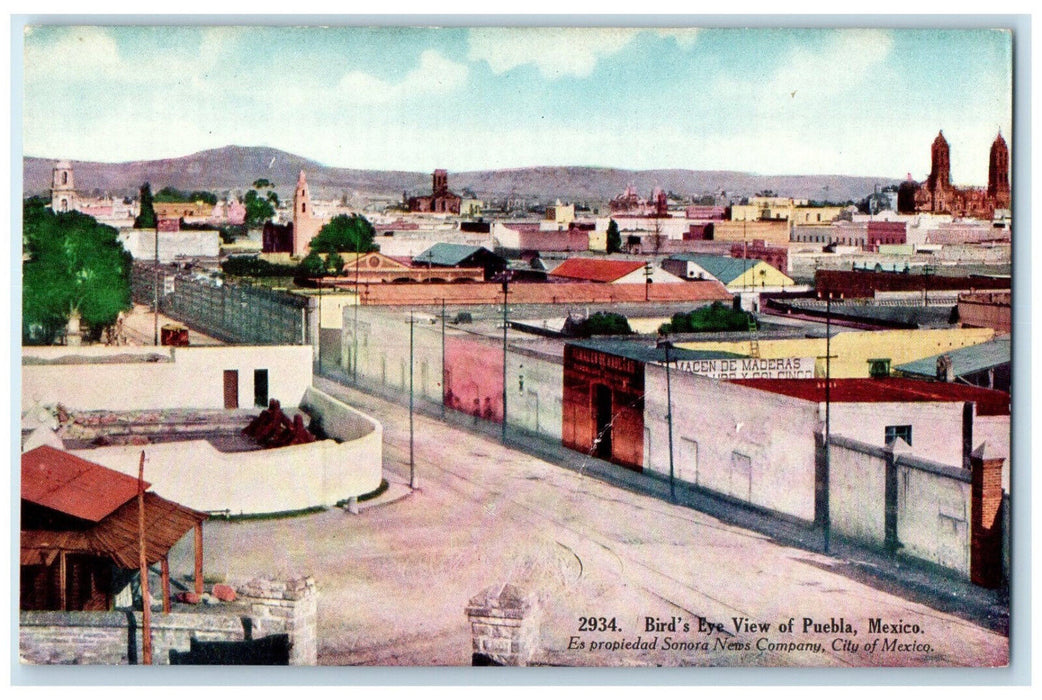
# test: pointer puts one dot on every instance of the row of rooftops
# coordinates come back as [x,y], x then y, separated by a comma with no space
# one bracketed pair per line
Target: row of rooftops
[845,390]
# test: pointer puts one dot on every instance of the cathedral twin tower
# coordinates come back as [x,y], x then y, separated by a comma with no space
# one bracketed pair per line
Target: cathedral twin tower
[938,195]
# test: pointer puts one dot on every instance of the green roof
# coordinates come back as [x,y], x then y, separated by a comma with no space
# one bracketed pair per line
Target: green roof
[725,269]
[968,360]
[642,352]
[447,254]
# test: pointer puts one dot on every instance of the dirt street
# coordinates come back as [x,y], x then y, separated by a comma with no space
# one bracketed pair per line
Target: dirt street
[394,580]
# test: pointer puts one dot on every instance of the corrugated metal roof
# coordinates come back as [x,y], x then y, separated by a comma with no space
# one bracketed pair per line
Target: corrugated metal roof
[65,483]
[891,389]
[539,293]
[116,536]
[724,268]
[595,270]
[642,352]
[975,358]
[447,254]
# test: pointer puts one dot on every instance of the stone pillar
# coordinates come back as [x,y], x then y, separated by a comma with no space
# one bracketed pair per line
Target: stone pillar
[504,626]
[985,518]
[286,607]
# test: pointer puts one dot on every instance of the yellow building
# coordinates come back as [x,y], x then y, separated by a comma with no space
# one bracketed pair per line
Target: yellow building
[810,216]
[737,274]
[852,350]
[771,232]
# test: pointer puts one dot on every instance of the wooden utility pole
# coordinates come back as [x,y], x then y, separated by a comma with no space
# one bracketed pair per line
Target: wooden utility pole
[146,608]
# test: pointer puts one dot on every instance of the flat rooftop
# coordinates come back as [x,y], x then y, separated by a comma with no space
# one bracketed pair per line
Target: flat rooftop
[885,390]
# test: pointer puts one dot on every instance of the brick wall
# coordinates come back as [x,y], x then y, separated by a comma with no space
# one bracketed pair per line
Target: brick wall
[986,519]
[264,608]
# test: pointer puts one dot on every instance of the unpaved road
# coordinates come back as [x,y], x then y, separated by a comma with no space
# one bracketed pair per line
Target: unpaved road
[394,581]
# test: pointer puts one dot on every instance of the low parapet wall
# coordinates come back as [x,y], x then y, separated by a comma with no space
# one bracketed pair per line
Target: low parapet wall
[278,480]
[264,608]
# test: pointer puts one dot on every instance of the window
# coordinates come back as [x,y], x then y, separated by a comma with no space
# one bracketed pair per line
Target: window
[899,431]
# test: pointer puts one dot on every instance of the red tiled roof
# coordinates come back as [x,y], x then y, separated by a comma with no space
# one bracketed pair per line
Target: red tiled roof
[65,483]
[539,293]
[594,270]
[891,389]
[116,536]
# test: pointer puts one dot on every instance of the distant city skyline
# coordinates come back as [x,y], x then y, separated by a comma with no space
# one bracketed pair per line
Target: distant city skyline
[865,102]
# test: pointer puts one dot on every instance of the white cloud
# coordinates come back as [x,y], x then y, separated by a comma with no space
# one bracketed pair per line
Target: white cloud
[556,52]
[81,52]
[848,58]
[434,74]
[685,37]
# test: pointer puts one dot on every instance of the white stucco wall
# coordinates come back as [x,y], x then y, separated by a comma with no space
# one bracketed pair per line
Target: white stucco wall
[857,492]
[933,517]
[936,427]
[185,378]
[141,244]
[715,421]
[197,475]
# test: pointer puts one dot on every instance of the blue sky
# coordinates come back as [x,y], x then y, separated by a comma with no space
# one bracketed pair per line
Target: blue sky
[849,101]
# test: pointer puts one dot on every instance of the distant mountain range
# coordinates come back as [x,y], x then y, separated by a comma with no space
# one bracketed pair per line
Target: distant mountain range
[233,169]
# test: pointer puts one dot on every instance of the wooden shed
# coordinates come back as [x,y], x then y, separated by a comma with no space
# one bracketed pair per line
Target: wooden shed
[80,524]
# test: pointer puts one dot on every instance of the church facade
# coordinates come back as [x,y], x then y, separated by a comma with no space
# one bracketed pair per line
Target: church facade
[938,195]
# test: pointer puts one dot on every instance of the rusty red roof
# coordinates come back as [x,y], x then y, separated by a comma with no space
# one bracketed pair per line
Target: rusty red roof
[65,483]
[538,293]
[116,536]
[596,270]
[890,389]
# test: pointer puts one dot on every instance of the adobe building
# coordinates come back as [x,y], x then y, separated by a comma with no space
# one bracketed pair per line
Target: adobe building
[603,396]
[938,195]
[440,200]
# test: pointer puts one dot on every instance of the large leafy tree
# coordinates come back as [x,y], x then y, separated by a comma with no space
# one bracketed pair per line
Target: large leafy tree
[73,266]
[345,234]
[715,317]
[258,208]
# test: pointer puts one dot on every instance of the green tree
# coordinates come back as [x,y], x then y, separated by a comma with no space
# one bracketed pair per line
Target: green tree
[258,209]
[600,323]
[345,234]
[716,317]
[313,265]
[334,263]
[146,218]
[614,237]
[74,266]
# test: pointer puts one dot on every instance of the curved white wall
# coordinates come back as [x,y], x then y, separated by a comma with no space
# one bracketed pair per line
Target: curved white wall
[197,475]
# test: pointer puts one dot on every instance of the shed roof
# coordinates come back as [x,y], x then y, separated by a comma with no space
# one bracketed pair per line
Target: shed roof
[68,484]
[116,536]
[722,267]
[885,390]
[596,270]
[968,360]
[448,254]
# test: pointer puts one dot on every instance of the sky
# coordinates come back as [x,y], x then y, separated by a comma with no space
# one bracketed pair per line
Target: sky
[770,101]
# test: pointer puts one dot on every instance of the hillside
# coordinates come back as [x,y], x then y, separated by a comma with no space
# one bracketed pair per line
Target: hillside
[233,168]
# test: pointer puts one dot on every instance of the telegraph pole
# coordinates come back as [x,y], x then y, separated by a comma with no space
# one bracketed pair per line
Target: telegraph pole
[443,387]
[506,289]
[412,460]
[155,288]
[669,420]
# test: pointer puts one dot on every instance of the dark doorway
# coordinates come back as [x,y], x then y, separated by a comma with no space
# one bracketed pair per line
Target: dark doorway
[260,387]
[231,388]
[602,411]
